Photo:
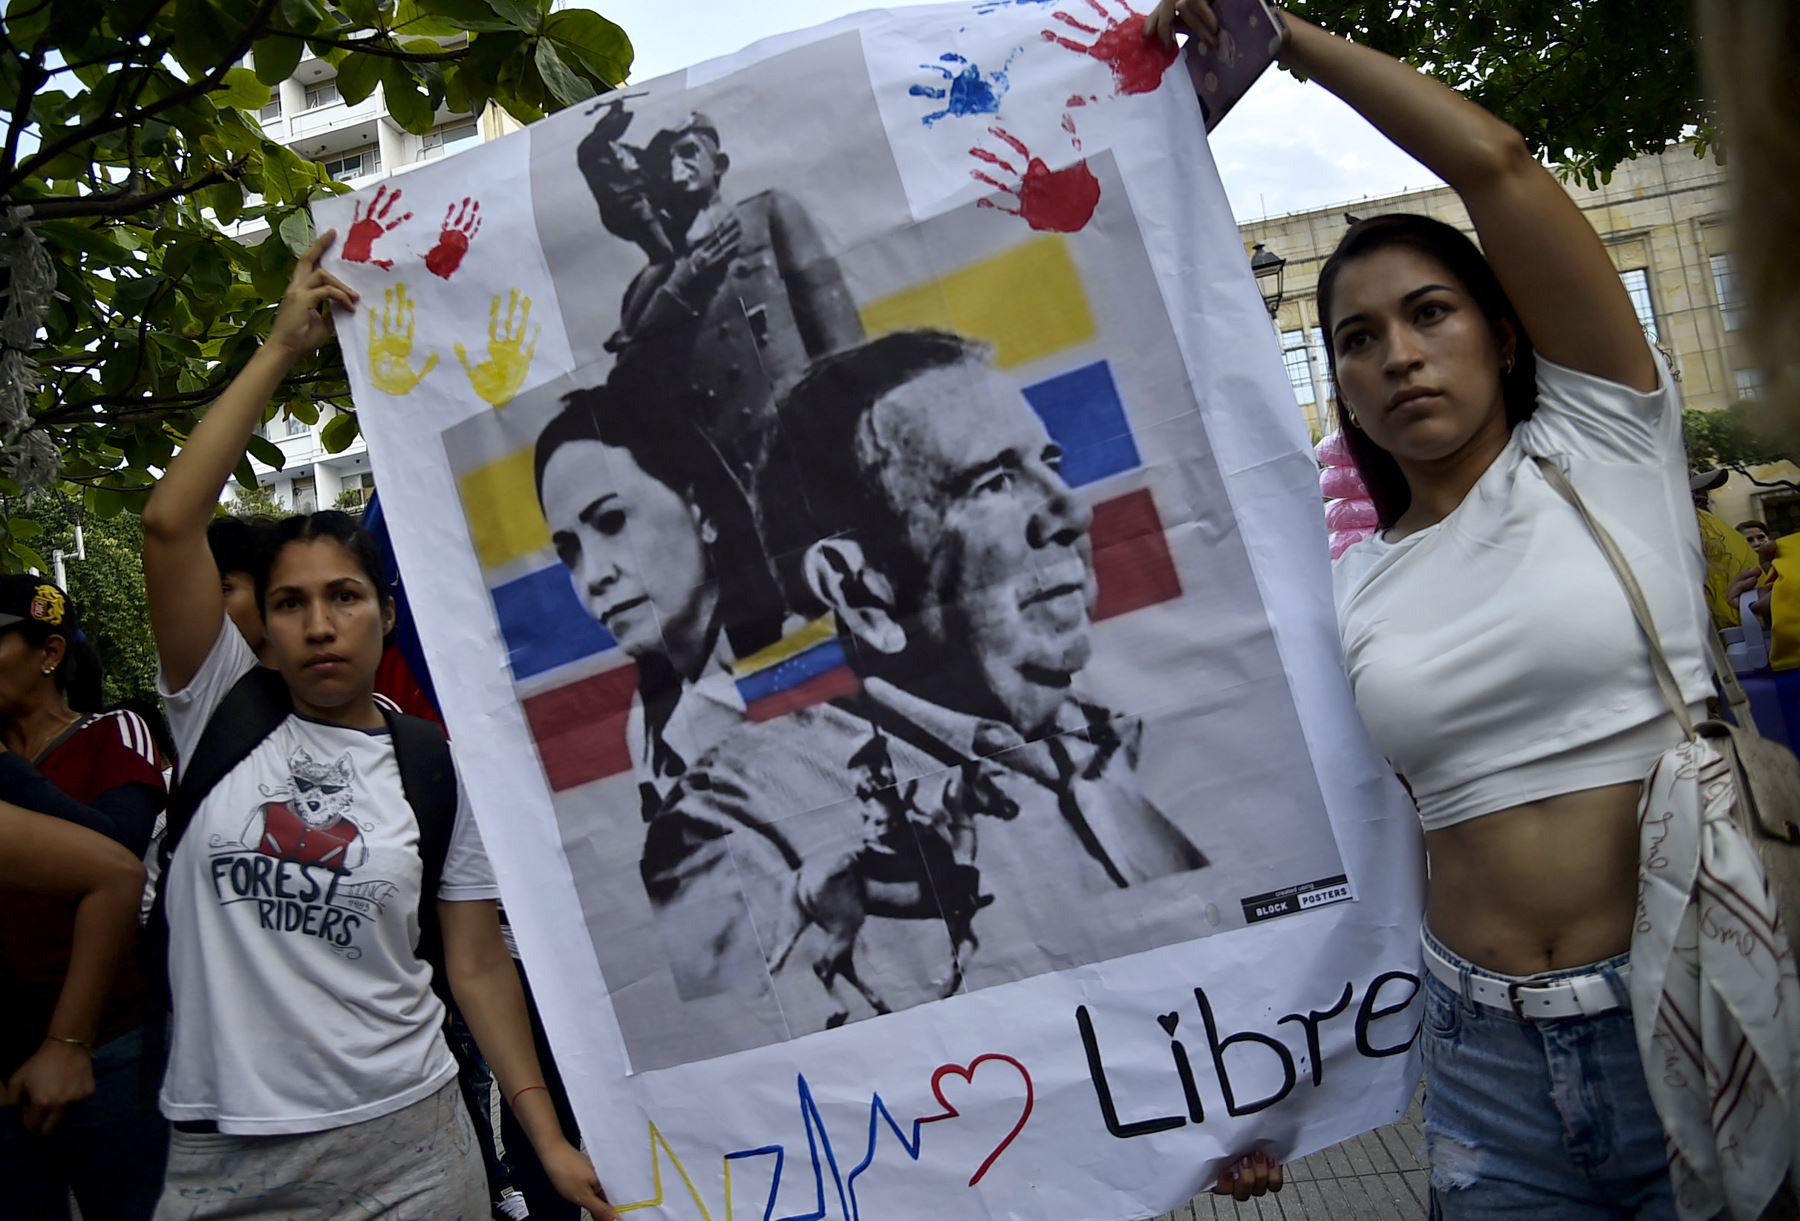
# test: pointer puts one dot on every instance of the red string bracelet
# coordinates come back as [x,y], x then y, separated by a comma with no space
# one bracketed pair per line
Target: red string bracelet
[523,1090]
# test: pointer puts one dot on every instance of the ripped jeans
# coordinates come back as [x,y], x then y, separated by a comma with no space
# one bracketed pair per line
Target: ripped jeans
[1538,1121]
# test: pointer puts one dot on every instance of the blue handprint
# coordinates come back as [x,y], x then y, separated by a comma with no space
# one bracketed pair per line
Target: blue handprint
[964,90]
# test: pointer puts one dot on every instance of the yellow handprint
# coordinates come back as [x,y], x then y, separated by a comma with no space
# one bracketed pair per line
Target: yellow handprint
[390,345]
[499,377]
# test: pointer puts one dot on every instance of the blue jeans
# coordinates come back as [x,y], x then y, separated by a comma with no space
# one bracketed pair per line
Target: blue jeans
[1538,1121]
[109,1149]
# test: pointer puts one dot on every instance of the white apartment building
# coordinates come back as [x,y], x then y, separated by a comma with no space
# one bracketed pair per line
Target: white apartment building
[358,145]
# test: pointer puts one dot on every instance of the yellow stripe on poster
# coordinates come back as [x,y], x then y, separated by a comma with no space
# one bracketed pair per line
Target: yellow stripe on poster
[500,501]
[1027,303]
[816,632]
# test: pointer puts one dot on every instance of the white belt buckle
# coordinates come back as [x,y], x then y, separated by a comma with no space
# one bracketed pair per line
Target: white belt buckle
[1518,1006]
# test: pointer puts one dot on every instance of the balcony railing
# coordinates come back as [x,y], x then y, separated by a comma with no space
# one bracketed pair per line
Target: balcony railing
[333,115]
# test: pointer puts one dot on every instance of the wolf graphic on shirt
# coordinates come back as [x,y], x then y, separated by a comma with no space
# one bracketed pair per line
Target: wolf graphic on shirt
[310,820]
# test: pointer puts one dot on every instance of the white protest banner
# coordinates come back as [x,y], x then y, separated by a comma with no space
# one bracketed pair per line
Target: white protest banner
[873,570]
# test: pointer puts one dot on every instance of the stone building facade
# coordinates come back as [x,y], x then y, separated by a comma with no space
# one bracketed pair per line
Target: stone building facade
[1663,219]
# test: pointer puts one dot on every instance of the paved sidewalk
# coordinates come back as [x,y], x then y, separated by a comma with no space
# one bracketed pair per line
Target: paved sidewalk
[1378,1176]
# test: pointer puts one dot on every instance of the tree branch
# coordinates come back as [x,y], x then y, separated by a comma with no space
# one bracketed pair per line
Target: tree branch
[31,78]
[370,46]
[99,127]
[129,200]
[137,405]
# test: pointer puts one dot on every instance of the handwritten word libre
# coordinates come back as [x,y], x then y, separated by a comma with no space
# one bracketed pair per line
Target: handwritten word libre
[1388,995]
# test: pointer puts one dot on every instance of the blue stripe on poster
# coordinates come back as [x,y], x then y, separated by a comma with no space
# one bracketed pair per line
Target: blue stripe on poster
[817,660]
[1082,411]
[544,624]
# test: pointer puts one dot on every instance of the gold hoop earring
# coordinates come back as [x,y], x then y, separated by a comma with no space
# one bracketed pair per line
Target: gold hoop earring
[1351,417]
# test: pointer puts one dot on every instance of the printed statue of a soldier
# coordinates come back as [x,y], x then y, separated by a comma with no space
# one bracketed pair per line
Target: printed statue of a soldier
[737,297]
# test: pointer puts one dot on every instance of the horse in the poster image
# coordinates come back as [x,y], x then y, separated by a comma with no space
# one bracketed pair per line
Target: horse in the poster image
[912,864]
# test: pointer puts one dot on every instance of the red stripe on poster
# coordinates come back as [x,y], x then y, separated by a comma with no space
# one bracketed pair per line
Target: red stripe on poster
[1132,565]
[580,728]
[828,686]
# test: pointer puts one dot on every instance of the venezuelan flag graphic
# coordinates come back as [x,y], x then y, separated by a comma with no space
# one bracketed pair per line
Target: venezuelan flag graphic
[1028,304]
[803,668]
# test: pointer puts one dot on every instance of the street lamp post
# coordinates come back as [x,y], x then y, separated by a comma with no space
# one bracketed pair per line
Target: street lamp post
[1268,268]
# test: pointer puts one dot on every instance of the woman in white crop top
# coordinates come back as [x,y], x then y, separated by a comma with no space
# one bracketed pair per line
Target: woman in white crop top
[308,1066]
[1491,652]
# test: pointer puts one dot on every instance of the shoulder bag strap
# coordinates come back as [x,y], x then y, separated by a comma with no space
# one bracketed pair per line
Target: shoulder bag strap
[1640,609]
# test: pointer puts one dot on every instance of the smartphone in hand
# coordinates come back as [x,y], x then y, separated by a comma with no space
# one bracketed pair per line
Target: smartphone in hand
[1250,37]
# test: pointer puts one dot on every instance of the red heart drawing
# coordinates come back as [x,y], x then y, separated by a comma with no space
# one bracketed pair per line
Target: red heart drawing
[967,1073]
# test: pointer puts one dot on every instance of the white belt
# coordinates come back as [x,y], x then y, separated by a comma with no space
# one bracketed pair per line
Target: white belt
[1572,996]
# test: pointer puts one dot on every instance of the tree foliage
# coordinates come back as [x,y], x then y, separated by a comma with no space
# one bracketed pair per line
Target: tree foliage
[107,585]
[1743,437]
[1589,83]
[132,136]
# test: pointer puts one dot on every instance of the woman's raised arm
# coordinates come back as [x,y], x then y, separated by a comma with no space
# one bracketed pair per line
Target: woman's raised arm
[1549,259]
[187,607]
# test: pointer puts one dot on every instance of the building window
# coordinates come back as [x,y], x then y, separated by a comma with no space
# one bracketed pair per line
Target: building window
[1637,287]
[322,94]
[1297,349]
[1725,289]
[346,166]
[272,111]
[294,426]
[449,139]
[1781,510]
[1749,383]
[356,491]
[306,496]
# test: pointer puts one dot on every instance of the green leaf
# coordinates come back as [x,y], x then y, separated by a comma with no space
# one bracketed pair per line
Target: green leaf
[339,431]
[226,199]
[306,16]
[245,474]
[27,21]
[241,89]
[589,40]
[358,75]
[563,84]
[24,527]
[446,17]
[406,100]
[297,231]
[201,38]
[284,177]
[266,451]
[361,12]
[526,15]
[276,58]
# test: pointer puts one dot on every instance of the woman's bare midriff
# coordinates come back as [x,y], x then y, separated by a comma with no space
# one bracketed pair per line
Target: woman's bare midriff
[1538,887]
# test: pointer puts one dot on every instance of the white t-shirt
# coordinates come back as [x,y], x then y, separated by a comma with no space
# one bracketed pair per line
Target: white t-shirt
[1493,655]
[300,1003]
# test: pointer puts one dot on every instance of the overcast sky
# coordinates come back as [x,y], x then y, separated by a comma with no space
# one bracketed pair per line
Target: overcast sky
[1287,147]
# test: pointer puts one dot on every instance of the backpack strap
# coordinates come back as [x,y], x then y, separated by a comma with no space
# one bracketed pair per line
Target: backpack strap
[428,778]
[253,709]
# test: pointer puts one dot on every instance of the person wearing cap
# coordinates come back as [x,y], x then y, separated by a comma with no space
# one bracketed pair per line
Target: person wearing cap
[682,338]
[109,1149]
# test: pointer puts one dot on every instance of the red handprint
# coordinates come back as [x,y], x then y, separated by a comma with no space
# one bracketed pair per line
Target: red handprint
[459,229]
[1055,201]
[367,227]
[1137,63]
